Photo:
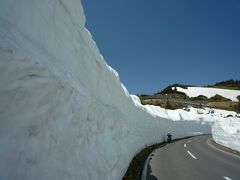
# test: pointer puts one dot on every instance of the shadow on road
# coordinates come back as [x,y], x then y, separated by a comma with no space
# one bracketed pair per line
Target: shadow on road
[149,171]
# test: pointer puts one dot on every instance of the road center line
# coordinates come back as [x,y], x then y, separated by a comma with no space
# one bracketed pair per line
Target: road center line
[189,141]
[227,178]
[185,145]
[191,155]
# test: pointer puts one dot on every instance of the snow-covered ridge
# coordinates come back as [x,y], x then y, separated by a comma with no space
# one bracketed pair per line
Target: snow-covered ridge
[209,92]
[64,113]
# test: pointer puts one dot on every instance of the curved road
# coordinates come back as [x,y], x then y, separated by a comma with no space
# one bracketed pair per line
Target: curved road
[191,159]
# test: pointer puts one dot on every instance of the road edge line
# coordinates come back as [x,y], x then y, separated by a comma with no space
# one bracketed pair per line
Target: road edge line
[221,150]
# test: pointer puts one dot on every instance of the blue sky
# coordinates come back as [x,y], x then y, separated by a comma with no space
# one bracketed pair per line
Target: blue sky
[154,43]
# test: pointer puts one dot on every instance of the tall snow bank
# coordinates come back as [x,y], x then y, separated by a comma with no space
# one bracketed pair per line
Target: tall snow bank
[210,92]
[227,132]
[63,112]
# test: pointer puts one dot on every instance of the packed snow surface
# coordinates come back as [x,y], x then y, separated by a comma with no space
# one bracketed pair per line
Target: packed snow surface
[227,132]
[64,113]
[210,92]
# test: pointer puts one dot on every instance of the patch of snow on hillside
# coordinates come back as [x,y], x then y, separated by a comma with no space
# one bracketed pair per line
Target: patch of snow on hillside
[209,92]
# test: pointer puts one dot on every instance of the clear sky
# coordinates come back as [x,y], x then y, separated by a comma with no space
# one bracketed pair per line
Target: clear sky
[154,43]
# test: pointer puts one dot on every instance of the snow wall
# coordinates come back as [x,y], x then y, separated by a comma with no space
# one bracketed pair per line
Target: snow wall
[227,133]
[63,112]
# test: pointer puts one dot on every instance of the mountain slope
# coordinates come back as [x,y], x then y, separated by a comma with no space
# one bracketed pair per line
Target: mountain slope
[210,92]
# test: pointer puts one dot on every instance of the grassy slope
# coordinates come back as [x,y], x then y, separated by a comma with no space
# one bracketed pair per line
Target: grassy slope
[229,84]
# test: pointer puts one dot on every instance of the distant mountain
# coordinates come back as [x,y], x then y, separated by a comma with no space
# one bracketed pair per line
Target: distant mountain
[228,84]
[222,95]
[211,92]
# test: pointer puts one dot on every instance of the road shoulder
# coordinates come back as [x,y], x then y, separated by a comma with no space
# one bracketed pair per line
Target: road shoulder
[223,149]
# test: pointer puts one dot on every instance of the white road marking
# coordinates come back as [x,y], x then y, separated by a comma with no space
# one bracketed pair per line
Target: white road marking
[185,145]
[227,178]
[191,155]
[189,141]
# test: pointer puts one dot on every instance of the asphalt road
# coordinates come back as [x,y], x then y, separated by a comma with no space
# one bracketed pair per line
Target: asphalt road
[191,159]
